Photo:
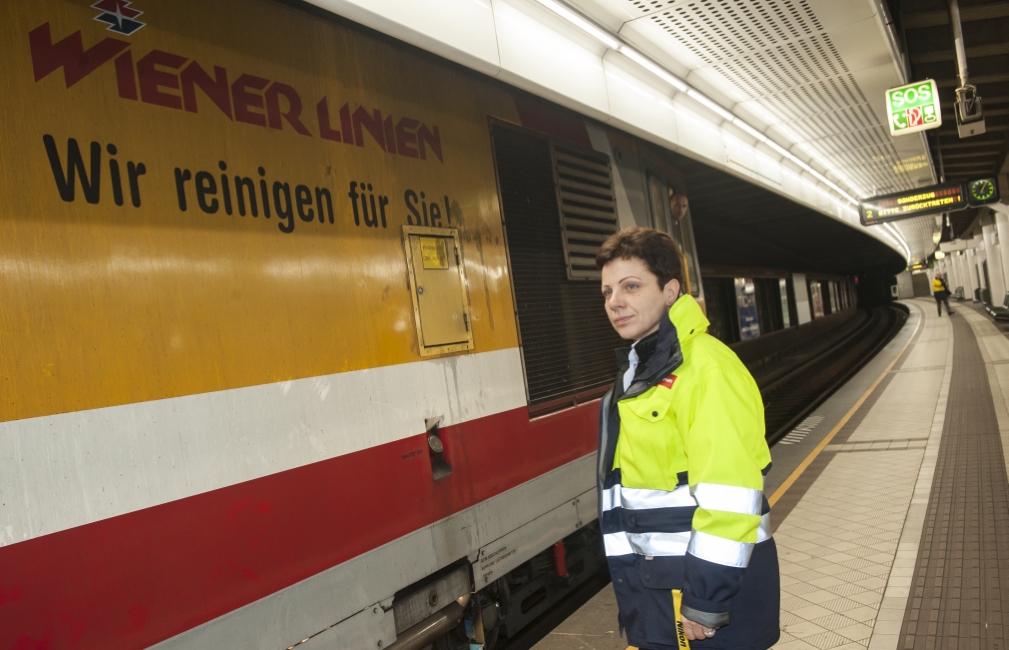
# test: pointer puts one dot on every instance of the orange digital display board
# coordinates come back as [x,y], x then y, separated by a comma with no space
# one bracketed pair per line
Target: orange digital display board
[947,197]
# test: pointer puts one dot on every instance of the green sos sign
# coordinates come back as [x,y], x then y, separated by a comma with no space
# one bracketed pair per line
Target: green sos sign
[913,108]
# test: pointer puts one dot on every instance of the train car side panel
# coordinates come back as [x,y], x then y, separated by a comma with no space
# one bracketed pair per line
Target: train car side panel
[142,258]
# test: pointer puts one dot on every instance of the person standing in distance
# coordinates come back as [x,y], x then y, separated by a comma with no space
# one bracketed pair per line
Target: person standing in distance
[941,292]
[682,458]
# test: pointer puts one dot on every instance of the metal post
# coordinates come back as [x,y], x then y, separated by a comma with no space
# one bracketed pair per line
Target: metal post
[969,116]
[993,254]
[961,56]
[938,150]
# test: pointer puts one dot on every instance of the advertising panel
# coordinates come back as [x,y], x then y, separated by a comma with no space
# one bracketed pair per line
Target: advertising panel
[746,309]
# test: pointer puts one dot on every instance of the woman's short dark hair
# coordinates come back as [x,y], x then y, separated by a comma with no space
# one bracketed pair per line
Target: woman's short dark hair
[656,249]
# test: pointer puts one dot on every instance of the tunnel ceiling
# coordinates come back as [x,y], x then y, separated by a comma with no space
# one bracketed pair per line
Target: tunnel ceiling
[812,71]
[740,224]
[927,32]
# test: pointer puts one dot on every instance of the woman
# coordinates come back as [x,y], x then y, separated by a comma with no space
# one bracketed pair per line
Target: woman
[682,456]
[941,292]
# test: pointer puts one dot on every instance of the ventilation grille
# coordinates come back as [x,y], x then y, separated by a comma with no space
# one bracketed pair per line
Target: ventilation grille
[587,207]
[646,6]
[720,30]
[776,53]
[567,340]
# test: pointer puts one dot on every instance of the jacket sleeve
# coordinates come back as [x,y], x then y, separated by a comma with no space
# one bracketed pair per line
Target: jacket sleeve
[726,452]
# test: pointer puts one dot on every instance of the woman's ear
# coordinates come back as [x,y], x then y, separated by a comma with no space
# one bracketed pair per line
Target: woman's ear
[671,292]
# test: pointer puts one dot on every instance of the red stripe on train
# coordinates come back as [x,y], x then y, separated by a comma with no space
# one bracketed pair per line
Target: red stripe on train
[143,577]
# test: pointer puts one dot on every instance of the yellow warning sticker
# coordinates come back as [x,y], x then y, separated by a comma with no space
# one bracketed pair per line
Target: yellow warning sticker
[434,252]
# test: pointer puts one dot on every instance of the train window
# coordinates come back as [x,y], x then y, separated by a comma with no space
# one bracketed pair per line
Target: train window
[746,309]
[661,200]
[682,229]
[658,201]
[438,285]
[720,299]
[567,340]
[588,209]
[783,290]
[768,298]
[816,299]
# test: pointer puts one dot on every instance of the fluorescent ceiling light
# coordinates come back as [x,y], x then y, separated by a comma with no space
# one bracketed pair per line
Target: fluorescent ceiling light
[788,133]
[749,129]
[783,152]
[653,67]
[582,23]
[762,114]
[718,109]
[613,42]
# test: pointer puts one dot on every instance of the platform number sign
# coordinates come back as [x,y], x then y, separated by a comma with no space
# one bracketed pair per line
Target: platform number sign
[913,108]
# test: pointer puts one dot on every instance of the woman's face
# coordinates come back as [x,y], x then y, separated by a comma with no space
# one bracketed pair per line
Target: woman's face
[678,207]
[635,303]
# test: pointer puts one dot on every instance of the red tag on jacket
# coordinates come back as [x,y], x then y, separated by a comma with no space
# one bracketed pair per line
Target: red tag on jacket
[668,381]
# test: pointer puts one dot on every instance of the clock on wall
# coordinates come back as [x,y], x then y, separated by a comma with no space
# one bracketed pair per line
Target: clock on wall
[982,190]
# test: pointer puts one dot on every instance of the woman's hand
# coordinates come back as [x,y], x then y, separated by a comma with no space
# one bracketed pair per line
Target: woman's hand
[696,631]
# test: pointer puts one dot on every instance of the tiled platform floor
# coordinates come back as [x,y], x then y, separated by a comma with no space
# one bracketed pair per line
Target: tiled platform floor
[907,590]
[848,546]
[959,591]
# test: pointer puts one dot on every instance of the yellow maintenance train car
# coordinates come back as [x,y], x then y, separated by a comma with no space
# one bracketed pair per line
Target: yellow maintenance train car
[300,330]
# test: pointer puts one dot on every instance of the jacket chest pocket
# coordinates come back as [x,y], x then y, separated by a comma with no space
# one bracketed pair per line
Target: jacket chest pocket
[650,449]
[651,406]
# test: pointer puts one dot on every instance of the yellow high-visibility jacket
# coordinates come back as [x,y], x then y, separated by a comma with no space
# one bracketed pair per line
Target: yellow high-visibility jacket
[681,475]
[939,287]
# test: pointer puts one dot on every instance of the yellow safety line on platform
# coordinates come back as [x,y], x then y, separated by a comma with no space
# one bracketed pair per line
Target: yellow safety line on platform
[830,436]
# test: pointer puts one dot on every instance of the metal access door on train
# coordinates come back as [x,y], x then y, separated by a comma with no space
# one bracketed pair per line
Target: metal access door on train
[438,285]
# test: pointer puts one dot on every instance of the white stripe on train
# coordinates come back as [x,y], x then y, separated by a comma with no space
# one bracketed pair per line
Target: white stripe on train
[66,470]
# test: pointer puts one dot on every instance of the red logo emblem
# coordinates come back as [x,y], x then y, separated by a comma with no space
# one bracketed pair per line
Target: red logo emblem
[119,16]
[668,381]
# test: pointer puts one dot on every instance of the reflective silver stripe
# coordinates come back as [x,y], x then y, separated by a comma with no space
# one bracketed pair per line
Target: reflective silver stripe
[764,531]
[617,544]
[645,499]
[720,550]
[654,544]
[609,498]
[712,548]
[664,544]
[728,498]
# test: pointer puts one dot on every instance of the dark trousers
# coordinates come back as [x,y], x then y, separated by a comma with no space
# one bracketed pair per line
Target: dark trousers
[942,298]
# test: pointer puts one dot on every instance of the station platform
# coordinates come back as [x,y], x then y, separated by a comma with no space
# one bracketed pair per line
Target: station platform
[890,504]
